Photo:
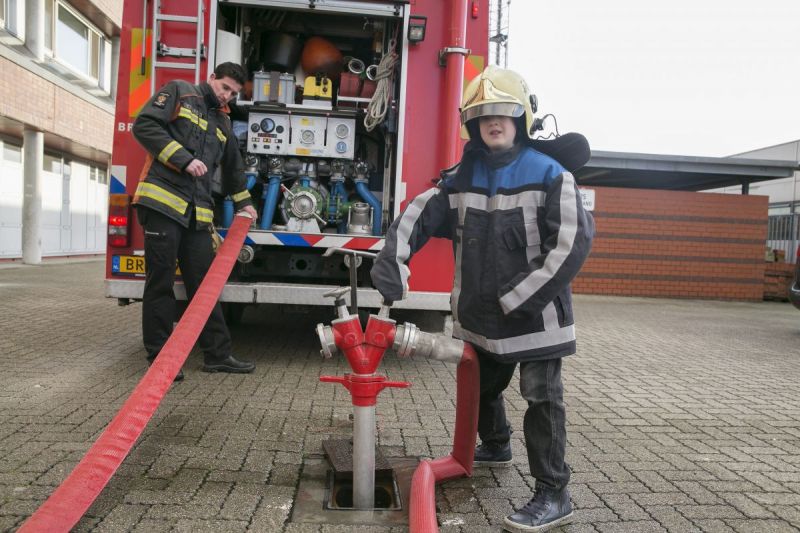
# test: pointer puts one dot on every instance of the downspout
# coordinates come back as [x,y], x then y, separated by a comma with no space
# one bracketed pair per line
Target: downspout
[452,58]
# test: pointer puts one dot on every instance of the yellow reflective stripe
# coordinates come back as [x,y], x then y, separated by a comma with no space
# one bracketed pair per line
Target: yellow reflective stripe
[204,215]
[161,195]
[193,118]
[239,196]
[221,136]
[168,151]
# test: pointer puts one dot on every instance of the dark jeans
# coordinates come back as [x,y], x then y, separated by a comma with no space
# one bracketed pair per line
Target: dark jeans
[166,241]
[544,424]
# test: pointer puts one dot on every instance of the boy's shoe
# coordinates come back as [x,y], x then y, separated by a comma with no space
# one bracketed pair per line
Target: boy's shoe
[491,454]
[230,364]
[547,509]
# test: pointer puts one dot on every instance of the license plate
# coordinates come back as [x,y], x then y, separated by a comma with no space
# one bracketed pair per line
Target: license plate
[127,264]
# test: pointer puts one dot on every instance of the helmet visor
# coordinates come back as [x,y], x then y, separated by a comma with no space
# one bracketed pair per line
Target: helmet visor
[501,109]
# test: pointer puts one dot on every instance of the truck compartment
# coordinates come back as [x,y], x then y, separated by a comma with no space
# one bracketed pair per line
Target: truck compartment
[314,165]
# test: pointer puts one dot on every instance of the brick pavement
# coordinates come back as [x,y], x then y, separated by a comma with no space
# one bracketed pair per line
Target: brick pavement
[683,416]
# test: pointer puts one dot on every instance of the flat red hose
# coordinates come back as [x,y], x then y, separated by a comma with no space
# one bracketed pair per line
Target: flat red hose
[422,508]
[65,507]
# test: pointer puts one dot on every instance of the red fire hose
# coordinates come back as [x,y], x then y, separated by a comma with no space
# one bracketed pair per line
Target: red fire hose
[422,508]
[72,498]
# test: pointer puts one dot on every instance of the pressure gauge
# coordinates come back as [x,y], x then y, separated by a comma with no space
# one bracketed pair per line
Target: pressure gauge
[307,137]
[254,127]
[342,131]
[268,125]
[341,147]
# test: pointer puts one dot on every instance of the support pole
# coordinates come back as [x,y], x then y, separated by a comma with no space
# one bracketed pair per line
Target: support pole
[364,457]
[33,159]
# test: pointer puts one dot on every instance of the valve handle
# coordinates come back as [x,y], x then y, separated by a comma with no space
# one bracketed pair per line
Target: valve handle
[338,292]
[396,384]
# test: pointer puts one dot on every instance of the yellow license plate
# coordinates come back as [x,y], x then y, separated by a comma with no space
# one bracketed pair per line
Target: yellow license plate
[127,264]
[131,264]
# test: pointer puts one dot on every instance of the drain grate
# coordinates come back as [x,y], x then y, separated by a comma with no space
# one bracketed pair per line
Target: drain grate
[340,454]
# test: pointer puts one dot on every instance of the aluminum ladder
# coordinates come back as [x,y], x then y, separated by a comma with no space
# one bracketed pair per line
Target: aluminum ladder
[160,49]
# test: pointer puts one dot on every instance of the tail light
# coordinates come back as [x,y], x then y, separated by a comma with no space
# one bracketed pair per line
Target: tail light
[475,10]
[119,210]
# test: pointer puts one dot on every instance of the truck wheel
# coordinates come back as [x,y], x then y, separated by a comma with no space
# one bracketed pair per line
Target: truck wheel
[233,312]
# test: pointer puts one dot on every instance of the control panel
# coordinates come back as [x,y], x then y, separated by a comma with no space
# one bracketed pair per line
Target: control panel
[301,135]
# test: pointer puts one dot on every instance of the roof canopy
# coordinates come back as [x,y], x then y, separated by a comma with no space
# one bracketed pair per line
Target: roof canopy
[675,172]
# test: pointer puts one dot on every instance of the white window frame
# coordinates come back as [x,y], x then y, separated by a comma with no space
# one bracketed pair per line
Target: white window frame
[103,79]
[19,23]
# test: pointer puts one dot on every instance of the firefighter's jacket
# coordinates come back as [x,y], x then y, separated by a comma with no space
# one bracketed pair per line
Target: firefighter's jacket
[182,122]
[520,234]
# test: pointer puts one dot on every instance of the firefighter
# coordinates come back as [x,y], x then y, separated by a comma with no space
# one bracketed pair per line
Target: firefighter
[187,134]
[520,235]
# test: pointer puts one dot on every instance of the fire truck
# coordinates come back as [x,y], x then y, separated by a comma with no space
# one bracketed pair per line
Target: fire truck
[351,110]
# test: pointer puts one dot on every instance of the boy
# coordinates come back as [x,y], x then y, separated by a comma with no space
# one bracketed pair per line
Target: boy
[520,235]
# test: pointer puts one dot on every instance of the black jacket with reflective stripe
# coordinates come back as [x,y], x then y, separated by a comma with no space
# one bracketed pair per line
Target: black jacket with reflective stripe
[520,235]
[182,122]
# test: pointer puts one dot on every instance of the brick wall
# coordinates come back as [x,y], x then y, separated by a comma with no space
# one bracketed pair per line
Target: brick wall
[676,244]
[33,100]
[777,278]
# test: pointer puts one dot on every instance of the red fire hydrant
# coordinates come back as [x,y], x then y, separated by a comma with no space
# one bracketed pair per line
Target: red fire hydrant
[364,351]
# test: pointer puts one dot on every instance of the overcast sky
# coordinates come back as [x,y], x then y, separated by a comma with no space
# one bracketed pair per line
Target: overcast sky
[685,77]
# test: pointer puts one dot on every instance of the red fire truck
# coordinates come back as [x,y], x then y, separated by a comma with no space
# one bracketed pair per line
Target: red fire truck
[352,111]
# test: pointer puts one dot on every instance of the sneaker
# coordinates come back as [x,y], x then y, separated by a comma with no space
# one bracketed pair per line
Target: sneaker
[229,364]
[547,509]
[491,454]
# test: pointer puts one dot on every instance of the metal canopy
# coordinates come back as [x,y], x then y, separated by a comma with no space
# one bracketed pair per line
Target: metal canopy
[675,172]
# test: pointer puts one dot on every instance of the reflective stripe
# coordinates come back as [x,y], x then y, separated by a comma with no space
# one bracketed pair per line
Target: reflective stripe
[404,229]
[204,215]
[169,150]
[523,343]
[161,195]
[221,136]
[527,200]
[567,228]
[456,294]
[239,196]
[193,118]
[550,317]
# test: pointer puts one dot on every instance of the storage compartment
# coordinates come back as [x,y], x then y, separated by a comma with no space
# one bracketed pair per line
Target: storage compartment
[316,166]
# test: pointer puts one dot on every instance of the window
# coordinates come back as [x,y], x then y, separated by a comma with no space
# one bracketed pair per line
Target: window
[52,163]
[76,43]
[10,16]
[11,153]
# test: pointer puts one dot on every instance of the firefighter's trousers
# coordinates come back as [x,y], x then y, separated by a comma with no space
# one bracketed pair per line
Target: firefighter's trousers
[166,241]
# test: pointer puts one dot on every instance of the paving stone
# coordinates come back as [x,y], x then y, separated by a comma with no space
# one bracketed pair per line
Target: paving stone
[713,526]
[210,526]
[122,518]
[760,526]
[638,526]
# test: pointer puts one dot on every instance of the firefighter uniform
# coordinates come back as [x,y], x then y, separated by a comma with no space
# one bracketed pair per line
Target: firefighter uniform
[180,123]
[520,235]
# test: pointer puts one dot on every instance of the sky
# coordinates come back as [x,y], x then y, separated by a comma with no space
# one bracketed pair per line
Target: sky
[684,77]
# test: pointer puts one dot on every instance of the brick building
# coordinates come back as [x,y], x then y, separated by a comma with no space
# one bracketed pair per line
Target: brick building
[58,61]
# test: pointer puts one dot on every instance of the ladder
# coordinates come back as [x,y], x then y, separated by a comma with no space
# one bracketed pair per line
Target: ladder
[160,49]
